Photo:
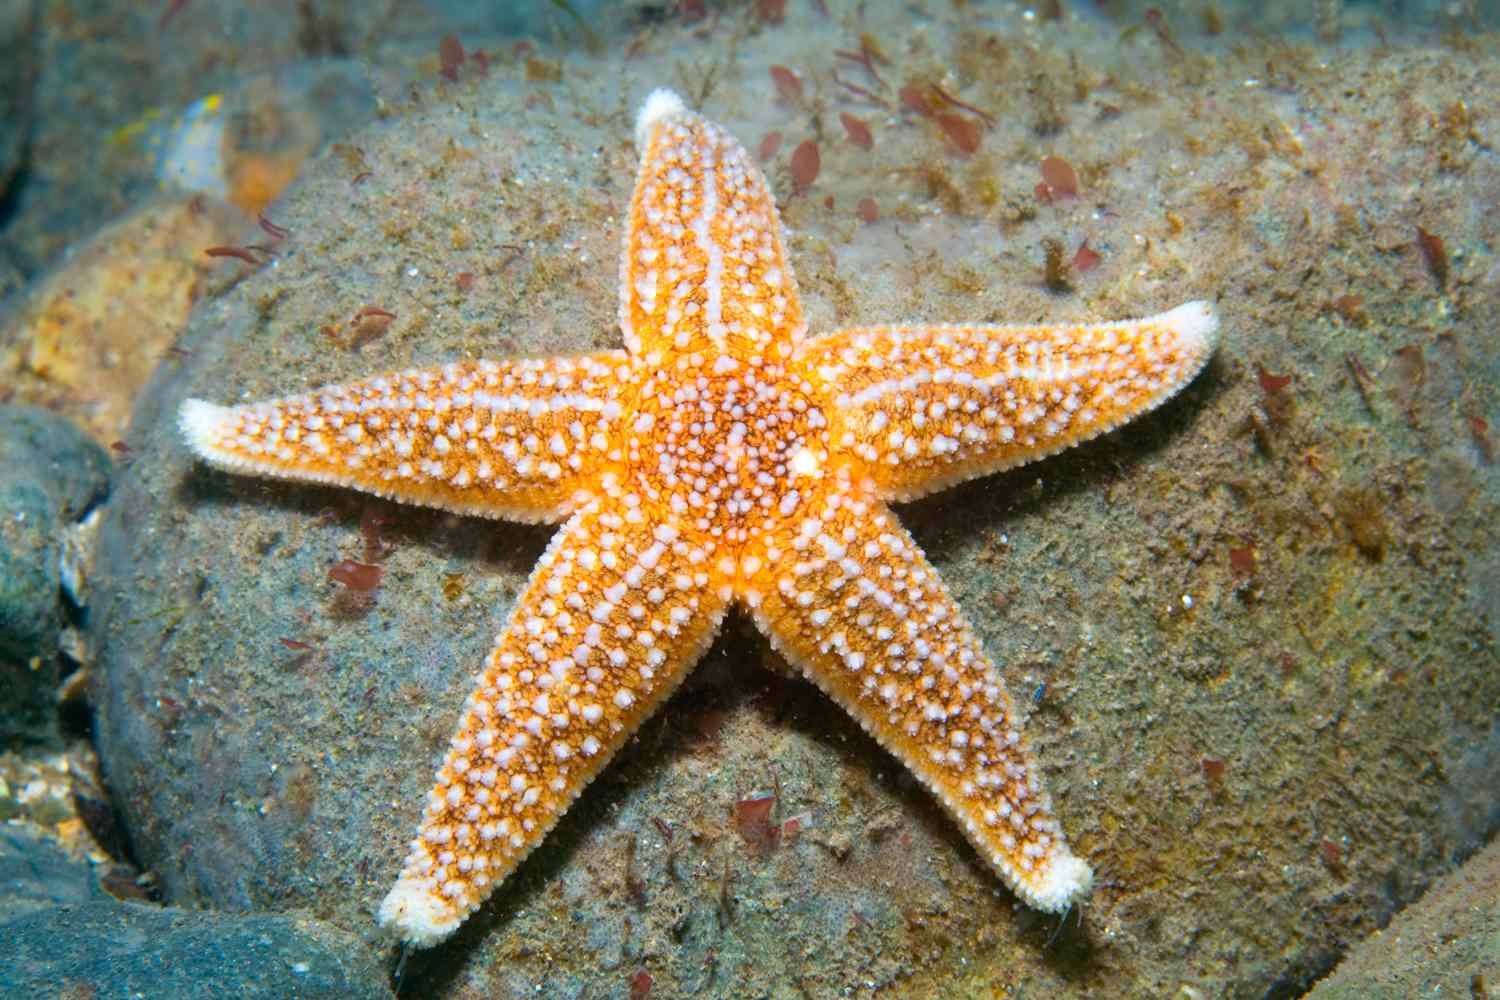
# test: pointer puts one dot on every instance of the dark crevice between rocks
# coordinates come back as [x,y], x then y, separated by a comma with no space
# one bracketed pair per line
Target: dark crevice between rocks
[75,717]
[10,195]
[22,268]
[97,808]
[1303,974]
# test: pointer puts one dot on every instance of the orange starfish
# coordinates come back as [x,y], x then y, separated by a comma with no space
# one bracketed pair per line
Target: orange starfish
[723,457]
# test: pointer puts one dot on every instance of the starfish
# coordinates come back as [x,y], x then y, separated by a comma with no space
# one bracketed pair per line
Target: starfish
[725,456]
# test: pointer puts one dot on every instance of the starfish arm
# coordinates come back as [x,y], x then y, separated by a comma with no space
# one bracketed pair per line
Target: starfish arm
[847,596]
[926,407]
[616,613]
[510,439]
[703,266]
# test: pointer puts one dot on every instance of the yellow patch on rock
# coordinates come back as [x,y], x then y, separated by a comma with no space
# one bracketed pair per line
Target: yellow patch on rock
[92,331]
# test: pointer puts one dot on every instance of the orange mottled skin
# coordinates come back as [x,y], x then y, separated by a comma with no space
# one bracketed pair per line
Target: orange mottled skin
[724,456]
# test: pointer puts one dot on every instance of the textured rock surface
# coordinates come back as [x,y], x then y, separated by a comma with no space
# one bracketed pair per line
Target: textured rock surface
[90,333]
[51,473]
[1256,631]
[126,950]
[105,73]
[1446,944]
[102,67]
[64,937]
[35,875]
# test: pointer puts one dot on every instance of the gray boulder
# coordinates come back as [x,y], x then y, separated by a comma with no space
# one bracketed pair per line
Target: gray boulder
[1446,944]
[63,936]
[51,475]
[1252,631]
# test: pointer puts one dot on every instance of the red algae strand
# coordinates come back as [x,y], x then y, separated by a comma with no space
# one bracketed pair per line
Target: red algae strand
[1436,256]
[788,85]
[450,56]
[1242,560]
[1085,259]
[857,131]
[271,228]
[1058,178]
[963,132]
[947,98]
[771,11]
[861,92]
[928,99]
[914,99]
[752,818]
[359,577]
[1213,773]
[1271,384]
[1332,855]
[790,829]
[805,165]
[239,253]
[1479,430]
[368,324]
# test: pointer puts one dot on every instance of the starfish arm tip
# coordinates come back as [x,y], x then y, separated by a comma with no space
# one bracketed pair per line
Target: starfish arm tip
[201,423]
[662,103]
[1067,879]
[1195,323]
[419,917]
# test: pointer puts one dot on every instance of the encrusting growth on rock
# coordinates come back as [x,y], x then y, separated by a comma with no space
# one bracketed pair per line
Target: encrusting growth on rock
[724,456]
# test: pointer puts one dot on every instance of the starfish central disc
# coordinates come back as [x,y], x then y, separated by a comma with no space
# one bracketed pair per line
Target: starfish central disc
[715,441]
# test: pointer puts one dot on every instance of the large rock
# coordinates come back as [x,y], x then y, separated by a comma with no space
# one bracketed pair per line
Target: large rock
[1255,632]
[64,937]
[1446,944]
[35,874]
[51,475]
[88,335]
[96,76]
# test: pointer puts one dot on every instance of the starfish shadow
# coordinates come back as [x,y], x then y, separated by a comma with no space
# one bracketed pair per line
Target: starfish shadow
[1065,940]
[783,698]
[514,546]
[705,698]
[740,673]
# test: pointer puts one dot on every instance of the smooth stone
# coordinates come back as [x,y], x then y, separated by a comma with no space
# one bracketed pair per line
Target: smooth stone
[1202,731]
[35,874]
[1446,944]
[51,474]
[86,336]
[64,936]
